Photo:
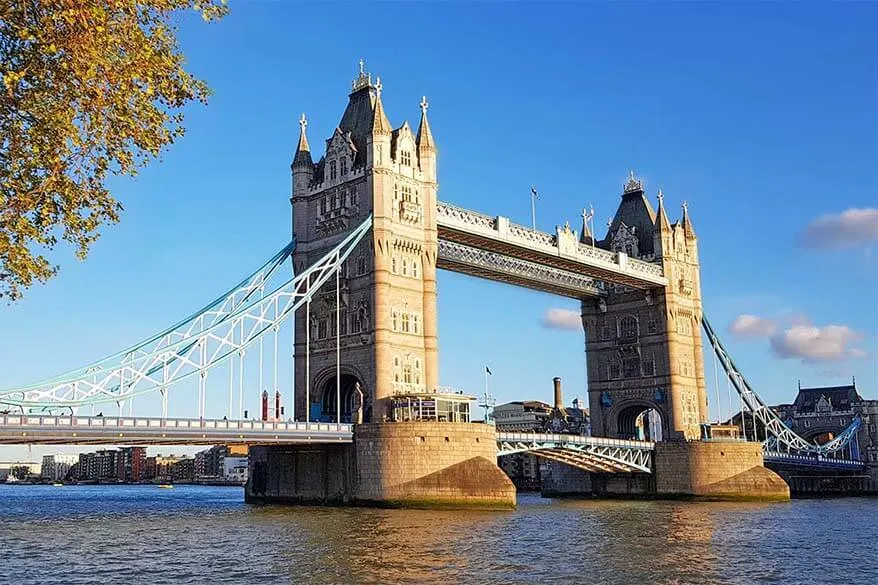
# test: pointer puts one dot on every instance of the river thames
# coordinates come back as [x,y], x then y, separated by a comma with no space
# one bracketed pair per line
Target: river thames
[194,534]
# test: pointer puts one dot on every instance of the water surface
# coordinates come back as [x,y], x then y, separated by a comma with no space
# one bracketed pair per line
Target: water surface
[193,534]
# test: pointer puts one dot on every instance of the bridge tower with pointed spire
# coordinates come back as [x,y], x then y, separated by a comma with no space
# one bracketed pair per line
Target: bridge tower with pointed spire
[644,349]
[387,315]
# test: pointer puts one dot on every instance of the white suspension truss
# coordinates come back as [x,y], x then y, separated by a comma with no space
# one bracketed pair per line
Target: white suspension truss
[778,436]
[192,347]
[595,454]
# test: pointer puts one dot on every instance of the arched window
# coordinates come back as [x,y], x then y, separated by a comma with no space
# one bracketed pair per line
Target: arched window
[343,163]
[405,322]
[415,327]
[395,318]
[628,327]
[407,374]
[332,171]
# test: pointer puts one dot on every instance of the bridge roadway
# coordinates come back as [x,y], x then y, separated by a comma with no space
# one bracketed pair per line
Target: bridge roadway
[495,248]
[595,454]
[591,453]
[121,430]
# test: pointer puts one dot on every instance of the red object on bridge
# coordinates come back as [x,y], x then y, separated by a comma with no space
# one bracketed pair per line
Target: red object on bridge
[265,405]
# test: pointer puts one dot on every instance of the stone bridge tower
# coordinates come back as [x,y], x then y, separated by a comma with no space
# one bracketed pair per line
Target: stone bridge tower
[388,288]
[644,348]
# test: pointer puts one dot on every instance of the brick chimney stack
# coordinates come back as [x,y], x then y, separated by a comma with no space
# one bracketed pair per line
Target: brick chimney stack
[559,402]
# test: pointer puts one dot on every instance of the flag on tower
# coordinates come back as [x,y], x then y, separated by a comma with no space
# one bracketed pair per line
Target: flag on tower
[488,371]
[533,191]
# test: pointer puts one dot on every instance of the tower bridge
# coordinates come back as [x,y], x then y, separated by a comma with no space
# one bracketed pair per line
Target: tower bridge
[357,326]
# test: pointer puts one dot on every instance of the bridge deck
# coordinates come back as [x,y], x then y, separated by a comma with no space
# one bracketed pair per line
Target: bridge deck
[494,248]
[109,430]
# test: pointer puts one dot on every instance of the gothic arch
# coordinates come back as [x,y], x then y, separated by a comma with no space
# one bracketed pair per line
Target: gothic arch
[621,417]
[324,391]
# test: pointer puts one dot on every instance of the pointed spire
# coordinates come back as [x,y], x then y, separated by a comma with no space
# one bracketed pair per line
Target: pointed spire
[424,139]
[661,217]
[380,124]
[586,237]
[303,150]
[687,223]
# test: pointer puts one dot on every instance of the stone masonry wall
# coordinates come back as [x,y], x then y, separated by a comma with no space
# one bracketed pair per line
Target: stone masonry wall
[423,463]
[721,470]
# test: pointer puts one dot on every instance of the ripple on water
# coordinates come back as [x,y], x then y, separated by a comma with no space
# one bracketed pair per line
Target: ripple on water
[193,534]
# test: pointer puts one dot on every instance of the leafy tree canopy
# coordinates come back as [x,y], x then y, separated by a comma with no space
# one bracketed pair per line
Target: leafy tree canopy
[87,88]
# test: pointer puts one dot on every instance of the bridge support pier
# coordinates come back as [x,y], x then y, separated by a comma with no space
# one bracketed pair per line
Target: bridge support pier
[715,471]
[399,464]
[696,470]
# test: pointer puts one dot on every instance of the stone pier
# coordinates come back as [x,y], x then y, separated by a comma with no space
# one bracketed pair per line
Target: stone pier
[697,470]
[399,464]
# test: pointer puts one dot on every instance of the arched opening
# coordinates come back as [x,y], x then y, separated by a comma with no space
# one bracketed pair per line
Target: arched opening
[640,423]
[330,391]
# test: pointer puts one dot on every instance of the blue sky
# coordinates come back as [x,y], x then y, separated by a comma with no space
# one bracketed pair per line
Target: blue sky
[760,115]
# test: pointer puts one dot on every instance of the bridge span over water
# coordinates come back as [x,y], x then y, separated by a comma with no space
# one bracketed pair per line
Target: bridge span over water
[353,332]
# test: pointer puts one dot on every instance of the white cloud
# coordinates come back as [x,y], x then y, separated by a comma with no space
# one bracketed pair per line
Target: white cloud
[816,344]
[848,228]
[564,319]
[751,326]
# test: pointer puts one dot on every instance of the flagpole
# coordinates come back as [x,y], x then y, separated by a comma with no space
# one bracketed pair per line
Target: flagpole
[486,384]
[533,207]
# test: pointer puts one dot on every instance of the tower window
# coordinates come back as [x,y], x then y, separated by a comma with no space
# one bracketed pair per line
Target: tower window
[405,267]
[405,322]
[415,268]
[361,265]
[334,201]
[415,327]
[406,157]
[332,171]
[648,365]
[323,205]
[628,327]
[614,371]
[343,164]
[395,319]
[632,367]
[393,267]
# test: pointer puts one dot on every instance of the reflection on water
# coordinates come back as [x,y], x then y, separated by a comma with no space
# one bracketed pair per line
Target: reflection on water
[141,534]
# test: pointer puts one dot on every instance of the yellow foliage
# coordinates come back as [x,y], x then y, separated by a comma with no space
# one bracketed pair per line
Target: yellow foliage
[88,88]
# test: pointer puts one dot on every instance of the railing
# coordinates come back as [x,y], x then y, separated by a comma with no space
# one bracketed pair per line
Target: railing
[817,461]
[405,388]
[501,227]
[134,423]
[511,437]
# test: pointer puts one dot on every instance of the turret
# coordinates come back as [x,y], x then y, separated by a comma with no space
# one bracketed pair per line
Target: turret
[378,140]
[586,236]
[688,231]
[425,143]
[662,233]
[303,166]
